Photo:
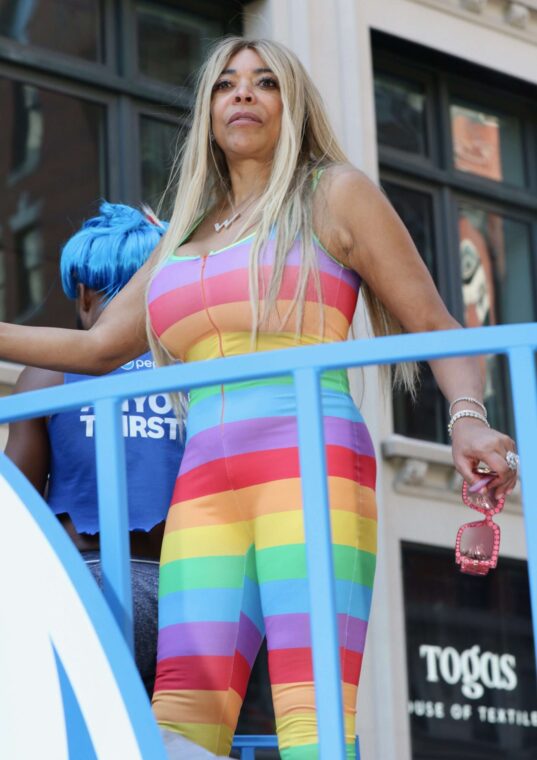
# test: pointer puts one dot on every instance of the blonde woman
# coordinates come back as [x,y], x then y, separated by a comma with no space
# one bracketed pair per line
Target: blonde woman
[272,237]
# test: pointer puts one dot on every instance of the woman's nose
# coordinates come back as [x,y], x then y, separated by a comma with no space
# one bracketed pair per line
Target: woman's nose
[243,94]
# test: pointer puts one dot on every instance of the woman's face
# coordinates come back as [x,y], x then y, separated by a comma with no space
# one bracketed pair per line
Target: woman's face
[246,108]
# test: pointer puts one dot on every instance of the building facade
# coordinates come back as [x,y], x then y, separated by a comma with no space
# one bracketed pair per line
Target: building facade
[437,101]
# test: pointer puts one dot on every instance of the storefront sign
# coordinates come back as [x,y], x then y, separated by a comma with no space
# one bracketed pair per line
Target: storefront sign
[471,666]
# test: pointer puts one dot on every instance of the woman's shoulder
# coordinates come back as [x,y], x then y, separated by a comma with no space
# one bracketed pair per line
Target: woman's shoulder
[340,179]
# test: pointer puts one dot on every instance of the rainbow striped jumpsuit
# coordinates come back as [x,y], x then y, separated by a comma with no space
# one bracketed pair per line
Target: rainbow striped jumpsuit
[233,565]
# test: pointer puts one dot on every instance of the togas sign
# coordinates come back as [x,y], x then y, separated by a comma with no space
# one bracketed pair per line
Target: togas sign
[470,659]
[473,669]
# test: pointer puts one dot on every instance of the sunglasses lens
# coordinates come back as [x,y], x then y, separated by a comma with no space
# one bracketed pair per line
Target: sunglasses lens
[477,542]
[485,501]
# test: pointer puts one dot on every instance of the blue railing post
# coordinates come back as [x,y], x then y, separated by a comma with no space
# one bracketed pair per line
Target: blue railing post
[321,585]
[524,390]
[113,513]
[248,743]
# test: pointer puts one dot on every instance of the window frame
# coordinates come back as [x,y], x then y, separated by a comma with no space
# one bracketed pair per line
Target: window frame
[447,79]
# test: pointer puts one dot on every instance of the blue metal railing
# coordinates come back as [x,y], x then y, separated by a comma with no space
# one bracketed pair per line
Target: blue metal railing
[518,342]
[249,743]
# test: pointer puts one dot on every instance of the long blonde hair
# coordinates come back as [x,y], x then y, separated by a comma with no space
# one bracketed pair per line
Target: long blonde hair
[306,143]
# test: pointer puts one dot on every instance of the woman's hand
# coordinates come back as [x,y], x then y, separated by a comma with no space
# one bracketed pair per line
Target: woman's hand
[473,442]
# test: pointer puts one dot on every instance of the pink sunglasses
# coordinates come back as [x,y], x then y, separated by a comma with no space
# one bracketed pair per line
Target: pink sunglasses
[478,543]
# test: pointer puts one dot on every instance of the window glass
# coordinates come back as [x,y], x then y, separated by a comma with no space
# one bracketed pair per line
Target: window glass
[73,27]
[470,658]
[400,111]
[424,419]
[497,286]
[487,144]
[172,43]
[30,271]
[51,179]
[158,141]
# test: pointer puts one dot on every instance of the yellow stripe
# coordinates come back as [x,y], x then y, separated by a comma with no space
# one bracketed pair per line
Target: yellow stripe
[301,728]
[210,541]
[348,529]
[214,738]
[240,343]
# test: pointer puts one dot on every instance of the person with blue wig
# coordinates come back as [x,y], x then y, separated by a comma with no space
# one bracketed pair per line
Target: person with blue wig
[57,454]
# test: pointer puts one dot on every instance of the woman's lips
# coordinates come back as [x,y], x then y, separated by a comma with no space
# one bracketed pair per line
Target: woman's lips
[244,118]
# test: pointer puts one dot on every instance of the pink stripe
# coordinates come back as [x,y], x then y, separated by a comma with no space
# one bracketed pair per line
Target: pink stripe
[176,274]
[292,631]
[268,433]
[232,287]
[208,639]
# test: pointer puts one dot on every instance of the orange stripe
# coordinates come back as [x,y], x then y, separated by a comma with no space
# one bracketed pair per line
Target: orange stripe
[300,697]
[276,496]
[214,509]
[198,706]
[237,318]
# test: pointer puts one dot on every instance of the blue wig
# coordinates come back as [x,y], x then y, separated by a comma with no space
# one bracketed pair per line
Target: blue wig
[108,249]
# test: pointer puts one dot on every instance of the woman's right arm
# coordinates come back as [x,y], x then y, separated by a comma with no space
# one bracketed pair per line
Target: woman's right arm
[118,336]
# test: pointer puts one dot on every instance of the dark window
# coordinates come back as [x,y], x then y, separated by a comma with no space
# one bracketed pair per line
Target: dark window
[486,143]
[158,141]
[458,162]
[401,118]
[470,658]
[172,43]
[92,95]
[28,245]
[51,179]
[27,137]
[73,27]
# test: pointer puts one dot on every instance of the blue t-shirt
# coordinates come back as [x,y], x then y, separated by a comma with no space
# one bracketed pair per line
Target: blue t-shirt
[153,452]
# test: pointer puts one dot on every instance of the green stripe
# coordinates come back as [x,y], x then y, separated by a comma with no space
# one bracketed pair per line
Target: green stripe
[311,752]
[334,380]
[207,572]
[201,572]
[285,562]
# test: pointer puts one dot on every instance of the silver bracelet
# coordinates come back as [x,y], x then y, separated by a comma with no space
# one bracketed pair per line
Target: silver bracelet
[465,413]
[471,400]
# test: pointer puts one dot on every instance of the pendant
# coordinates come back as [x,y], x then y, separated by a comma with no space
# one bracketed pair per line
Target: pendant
[227,222]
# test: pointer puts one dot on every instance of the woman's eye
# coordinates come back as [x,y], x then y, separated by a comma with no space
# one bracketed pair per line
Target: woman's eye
[222,84]
[268,82]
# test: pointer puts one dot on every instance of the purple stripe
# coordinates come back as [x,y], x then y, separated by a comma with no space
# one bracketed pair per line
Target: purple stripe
[249,639]
[177,274]
[268,433]
[206,638]
[292,631]
[210,639]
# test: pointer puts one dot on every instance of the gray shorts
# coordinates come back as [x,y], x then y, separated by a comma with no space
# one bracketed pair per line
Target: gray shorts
[144,577]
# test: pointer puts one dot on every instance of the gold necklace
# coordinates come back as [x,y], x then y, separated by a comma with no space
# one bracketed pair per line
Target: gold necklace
[235,215]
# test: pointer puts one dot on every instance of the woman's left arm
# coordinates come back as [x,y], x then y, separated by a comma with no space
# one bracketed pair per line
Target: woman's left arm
[368,235]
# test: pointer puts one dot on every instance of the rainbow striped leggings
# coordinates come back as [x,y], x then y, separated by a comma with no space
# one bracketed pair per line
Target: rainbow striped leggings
[233,566]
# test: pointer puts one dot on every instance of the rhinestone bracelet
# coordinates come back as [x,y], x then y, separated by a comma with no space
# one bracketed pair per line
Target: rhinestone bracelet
[471,400]
[466,413]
